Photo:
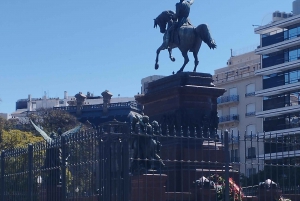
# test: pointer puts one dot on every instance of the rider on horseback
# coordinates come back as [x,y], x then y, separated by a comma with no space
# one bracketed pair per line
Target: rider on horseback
[183,11]
[182,14]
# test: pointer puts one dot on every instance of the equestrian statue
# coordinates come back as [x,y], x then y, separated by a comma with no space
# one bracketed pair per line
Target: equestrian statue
[180,33]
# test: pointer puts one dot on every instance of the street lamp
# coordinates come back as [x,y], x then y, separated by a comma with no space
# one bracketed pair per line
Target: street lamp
[39,180]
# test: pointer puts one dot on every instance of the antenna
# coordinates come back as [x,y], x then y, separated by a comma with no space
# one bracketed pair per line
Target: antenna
[268,15]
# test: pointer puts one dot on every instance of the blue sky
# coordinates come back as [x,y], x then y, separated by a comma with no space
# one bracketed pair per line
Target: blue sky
[94,45]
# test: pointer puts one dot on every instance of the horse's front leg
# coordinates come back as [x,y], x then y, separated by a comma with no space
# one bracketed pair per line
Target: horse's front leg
[196,60]
[186,60]
[170,54]
[162,47]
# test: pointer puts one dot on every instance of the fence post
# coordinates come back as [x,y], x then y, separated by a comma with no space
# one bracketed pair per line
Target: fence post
[30,172]
[126,159]
[226,144]
[63,169]
[2,175]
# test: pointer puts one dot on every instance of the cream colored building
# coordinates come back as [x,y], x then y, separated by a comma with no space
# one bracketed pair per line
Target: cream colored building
[237,108]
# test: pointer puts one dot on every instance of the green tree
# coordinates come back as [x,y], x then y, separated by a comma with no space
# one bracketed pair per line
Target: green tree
[16,138]
[50,120]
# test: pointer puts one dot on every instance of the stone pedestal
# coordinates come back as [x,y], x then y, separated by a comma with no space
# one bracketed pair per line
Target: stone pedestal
[204,194]
[185,100]
[148,187]
[54,192]
[269,194]
[185,104]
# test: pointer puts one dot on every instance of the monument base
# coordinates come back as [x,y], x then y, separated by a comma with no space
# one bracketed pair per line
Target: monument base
[148,187]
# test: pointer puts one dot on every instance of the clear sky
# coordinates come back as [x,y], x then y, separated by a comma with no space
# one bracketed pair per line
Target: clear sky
[94,45]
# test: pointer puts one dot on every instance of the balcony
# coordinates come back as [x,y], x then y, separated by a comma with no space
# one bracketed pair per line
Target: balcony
[249,114]
[279,155]
[278,89]
[277,25]
[233,140]
[251,157]
[279,66]
[250,94]
[130,104]
[228,99]
[234,159]
[278,46]
[278,111]
[229,118]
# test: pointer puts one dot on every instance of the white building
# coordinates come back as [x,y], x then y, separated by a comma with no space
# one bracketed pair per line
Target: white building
[237,108]
[280,57]
[5,116]
[29,105]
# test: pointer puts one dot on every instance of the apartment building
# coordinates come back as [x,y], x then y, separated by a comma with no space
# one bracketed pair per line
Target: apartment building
[237,108]
[280,71]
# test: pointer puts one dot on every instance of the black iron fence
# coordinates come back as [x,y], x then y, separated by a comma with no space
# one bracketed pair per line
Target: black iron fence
[108,164]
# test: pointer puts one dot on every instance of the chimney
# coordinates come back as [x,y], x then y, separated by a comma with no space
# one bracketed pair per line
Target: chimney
[80,98]
[65,95]
[106,100]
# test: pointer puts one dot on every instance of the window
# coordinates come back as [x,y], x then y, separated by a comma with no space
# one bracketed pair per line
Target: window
[33,105]
[61,102]
[233,111]
[251,171]
[250,109]
[233,132]
[233,91]
[250,90]
[234,157]
[251,153]
[250,129]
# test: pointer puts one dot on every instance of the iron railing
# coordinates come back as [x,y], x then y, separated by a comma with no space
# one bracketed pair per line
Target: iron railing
[233,117]
[98,165]
[227,99]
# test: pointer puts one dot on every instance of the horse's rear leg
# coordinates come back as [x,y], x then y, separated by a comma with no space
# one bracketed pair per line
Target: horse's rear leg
[170,54]
[196,60]
[186,60]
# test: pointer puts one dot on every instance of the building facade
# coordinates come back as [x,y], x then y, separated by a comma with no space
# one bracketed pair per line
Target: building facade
[30,105]
[280,60]
[237,108]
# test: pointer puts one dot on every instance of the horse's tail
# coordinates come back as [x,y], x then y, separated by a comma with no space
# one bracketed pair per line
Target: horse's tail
[203,32]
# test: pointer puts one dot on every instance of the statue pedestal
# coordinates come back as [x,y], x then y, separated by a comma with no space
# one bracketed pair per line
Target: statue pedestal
[269,194]
[202,194]
[148,187]
[182,104]
[184,100]
[54,192]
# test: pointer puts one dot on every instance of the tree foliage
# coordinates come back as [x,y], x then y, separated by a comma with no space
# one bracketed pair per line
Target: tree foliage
[50,120]
[16,138]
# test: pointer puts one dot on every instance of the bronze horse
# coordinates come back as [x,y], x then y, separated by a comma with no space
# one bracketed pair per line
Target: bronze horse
[190,39]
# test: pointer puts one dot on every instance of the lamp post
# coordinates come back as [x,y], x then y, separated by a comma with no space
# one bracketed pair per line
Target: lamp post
[76,192]
[39,181]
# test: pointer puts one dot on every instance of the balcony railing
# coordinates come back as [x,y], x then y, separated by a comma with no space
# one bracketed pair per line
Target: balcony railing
[248,114]
[227,99]
[131,104]
[233,117]
[233,139]
[250,94]
[251,157]
[235,159]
